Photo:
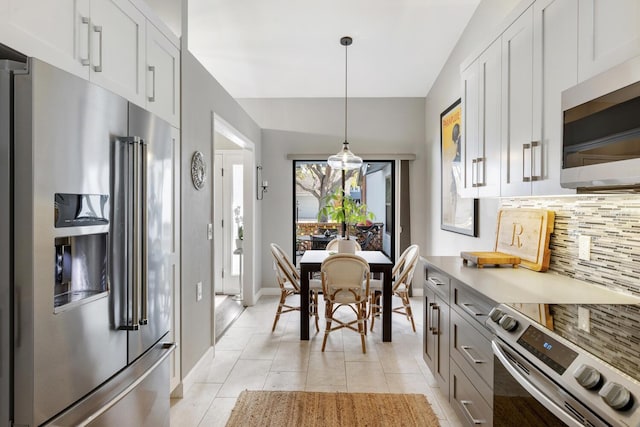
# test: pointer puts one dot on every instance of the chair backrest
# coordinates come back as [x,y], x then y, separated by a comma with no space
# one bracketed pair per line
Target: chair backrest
[406,266]
[345,272]
[285,271]
[333,244]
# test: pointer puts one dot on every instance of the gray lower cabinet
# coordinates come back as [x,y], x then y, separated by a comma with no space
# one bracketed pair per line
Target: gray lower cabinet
[436,329]
[457,346]
[436,339]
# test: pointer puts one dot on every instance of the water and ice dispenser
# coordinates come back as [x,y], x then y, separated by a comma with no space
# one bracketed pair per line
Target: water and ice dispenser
[81,262]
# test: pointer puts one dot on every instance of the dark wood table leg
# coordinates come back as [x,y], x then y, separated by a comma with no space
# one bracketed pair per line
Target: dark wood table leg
[386,303]
[304,302]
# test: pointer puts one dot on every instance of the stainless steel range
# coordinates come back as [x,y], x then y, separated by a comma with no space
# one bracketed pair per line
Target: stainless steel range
[543,379]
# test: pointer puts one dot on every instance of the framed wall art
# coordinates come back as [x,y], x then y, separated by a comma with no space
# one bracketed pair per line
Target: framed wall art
[458,214]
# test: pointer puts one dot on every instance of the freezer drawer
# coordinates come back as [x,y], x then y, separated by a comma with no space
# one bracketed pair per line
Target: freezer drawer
[138,396]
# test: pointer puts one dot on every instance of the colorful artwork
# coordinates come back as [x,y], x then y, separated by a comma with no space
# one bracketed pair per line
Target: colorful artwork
[458,214]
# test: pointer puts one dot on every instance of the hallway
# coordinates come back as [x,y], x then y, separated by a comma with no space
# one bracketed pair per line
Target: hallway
[250,357]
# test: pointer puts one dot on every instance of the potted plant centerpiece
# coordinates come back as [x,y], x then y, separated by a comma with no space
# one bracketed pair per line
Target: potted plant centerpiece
[342,208]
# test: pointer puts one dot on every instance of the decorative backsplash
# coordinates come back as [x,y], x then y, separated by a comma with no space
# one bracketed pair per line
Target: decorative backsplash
[613,223]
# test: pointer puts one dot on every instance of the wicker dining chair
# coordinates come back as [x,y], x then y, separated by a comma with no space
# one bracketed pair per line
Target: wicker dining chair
[333,244]
[402,276]
[289,281]
[345,284]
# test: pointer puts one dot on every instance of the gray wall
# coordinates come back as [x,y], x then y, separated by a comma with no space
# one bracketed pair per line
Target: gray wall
[448,87]
[316,125]
[202,96]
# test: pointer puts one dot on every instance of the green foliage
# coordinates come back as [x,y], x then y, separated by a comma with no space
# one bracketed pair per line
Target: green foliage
[353,213]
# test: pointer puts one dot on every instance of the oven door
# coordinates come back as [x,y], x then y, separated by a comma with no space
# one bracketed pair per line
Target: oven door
[524,396]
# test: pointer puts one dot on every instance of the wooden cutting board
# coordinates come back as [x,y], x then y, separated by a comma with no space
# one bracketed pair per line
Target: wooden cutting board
[489,258]
[522,234]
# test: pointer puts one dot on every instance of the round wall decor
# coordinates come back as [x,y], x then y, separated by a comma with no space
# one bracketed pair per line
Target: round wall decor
[198,170]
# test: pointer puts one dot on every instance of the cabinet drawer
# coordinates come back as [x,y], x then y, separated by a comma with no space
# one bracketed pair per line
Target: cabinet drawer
[439,282]
[467,401]
[471,304]
[471,349]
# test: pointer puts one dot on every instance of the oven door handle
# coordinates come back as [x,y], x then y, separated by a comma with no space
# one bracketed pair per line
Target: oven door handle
[537,394]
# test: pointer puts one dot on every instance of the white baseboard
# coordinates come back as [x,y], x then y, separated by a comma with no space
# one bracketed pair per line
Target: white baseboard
[190,378]
[270,291]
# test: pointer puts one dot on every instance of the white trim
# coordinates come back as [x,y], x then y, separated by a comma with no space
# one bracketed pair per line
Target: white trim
[191,377]
[225,129]
[270,291]
[232,134]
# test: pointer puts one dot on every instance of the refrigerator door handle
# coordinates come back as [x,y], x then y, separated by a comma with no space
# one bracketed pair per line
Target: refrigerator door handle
[137,240]
[134,229]
[144,288]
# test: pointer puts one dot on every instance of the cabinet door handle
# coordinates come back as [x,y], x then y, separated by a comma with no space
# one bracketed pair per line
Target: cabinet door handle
[465,404]
[98,29]
[536,146]
[467,308]
[435,330]
[87,60]
[526,148]
[474,172]
[434,281]
[466,349]
[152,70]
[481,179]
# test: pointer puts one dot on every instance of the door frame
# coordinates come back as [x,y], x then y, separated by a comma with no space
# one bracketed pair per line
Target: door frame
[395,196]
[221,126]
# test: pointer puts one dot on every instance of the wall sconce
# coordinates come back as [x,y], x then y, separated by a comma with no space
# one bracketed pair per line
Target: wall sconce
[261,186]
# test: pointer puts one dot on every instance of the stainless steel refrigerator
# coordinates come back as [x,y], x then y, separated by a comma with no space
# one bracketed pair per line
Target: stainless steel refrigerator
[86,229]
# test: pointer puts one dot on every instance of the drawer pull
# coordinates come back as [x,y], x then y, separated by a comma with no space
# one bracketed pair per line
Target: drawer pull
[466,349]
[467,308]
[434,281]
[473,420]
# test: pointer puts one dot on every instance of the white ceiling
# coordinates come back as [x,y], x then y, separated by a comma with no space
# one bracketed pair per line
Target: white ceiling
[291,48]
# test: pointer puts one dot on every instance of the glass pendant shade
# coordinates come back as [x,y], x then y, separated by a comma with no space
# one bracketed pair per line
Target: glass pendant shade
[344,159]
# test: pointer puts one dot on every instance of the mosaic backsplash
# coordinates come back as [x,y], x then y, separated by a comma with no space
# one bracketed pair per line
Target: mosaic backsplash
[613,222]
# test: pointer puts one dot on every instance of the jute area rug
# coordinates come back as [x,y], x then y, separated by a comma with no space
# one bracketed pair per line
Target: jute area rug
[301,408]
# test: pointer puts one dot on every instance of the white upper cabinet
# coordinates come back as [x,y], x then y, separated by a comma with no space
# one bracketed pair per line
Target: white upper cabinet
[54,31]
[555,59]
[609,33]
[118,32]
[540,60]
[480,151]
[470,132]
[518,146]
[163,76]
[109,42]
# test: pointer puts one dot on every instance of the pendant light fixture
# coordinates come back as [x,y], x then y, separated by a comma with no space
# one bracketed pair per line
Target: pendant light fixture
[345,159]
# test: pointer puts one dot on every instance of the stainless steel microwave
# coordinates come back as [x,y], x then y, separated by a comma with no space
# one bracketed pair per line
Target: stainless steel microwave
[601,130]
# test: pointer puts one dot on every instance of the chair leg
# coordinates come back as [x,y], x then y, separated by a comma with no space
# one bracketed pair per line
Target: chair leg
[375,307]
[328,309]
[362,326]
[407,309]
[283,297]
[314,296]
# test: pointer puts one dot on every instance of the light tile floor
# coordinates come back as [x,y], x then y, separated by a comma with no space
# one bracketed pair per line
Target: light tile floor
[250,357]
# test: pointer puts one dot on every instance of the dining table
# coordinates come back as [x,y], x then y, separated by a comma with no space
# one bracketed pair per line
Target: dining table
[311,262]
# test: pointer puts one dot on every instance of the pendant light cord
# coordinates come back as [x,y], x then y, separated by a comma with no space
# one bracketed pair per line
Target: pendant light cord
[345,91]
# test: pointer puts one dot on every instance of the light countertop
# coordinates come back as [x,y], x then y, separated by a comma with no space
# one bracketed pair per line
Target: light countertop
[518,285]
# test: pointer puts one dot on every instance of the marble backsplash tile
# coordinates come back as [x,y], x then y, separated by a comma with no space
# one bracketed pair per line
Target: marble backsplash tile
[613,223]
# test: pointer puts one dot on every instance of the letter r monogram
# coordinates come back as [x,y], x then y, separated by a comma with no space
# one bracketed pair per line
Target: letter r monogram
[518,229]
